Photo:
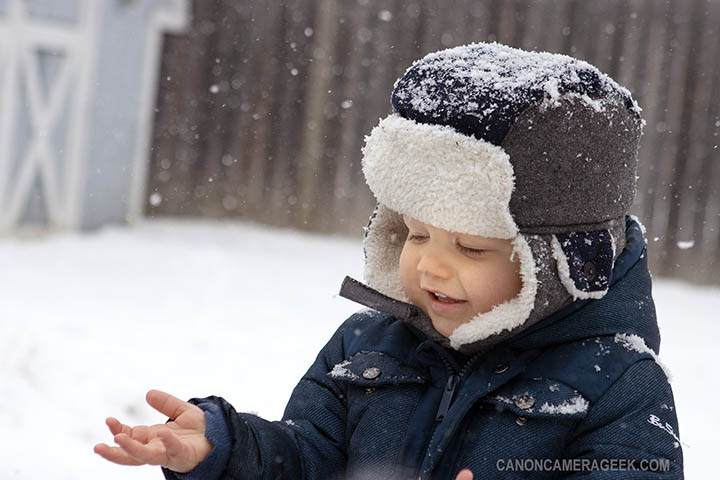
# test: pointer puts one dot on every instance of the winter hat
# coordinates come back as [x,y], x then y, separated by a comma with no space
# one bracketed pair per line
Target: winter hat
[489,140]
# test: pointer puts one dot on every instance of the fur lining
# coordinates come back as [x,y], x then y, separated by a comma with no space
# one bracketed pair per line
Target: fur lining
[409,166]
[507,315]
[383,244]
[564,273]
[613,242]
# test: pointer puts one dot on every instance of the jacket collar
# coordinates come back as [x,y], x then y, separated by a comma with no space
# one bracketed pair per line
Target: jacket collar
[627,308]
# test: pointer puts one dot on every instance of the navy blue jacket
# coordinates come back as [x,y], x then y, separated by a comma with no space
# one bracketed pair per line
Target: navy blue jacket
[578,394]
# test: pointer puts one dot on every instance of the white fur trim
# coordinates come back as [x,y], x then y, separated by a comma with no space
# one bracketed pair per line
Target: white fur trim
[564,273]
[383,245]
[440,177]
[507,315]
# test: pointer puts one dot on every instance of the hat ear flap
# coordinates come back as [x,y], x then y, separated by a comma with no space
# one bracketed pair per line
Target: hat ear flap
[584,262]
[382,246]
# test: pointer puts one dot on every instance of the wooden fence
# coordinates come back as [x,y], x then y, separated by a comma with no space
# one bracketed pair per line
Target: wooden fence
[263,106]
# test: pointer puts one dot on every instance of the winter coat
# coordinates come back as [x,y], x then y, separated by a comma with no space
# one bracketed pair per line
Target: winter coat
[578,394]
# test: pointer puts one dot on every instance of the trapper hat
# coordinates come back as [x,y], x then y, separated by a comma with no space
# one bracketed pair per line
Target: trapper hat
[489,140]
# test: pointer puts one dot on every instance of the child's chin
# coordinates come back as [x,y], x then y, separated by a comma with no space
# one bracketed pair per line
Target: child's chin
[444,326]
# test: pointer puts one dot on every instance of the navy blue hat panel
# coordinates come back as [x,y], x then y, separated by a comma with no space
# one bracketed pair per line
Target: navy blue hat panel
[453,102]
[480,89]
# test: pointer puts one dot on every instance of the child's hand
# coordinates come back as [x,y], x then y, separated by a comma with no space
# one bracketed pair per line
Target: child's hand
[464,475]
[179,445]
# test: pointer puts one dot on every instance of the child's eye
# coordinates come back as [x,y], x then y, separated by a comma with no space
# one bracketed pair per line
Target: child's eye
[416,237]
[473,252]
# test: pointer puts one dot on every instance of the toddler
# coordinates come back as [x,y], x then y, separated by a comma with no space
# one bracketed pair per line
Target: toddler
[511,330]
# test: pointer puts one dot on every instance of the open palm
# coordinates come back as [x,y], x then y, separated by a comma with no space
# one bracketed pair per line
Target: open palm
[179,445]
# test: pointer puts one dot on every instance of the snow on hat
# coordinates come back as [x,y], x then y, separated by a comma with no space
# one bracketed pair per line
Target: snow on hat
[489,140]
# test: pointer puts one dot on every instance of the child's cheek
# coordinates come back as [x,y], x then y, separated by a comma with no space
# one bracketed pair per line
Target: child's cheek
[408,271]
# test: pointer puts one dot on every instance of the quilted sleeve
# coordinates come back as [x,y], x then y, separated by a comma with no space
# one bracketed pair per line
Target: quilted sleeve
[309,443]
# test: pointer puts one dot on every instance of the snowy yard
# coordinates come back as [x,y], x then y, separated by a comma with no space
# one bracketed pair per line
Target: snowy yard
[89,323]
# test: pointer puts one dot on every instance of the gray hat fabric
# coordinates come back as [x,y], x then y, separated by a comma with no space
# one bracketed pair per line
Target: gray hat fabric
[490,140]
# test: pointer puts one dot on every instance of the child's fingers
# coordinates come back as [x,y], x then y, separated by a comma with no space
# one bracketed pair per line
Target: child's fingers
[144,454]
[166,404]
[141,433]
[465,475]
[115,455]
[116,427]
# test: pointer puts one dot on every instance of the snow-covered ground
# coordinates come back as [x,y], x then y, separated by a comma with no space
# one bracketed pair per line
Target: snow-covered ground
[90,322]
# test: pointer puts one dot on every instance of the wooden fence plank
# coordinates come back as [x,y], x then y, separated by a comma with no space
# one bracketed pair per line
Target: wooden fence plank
[312,149]
[214,123]
[692,147]
[677,155]
[287,113]
[707,259]
[651,98]
[671,78]
[235,159]
[349,188]
[638,63]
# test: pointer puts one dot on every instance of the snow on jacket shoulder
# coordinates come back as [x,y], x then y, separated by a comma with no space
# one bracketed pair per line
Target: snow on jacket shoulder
[579,394]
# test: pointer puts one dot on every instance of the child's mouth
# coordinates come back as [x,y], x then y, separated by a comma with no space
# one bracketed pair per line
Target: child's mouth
[444,303]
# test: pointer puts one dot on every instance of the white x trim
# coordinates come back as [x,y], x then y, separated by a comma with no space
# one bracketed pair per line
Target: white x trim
[22,38]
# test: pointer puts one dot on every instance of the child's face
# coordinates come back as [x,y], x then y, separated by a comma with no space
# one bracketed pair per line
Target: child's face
[475,272]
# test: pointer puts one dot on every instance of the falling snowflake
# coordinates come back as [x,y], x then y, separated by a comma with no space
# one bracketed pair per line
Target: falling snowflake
[685,245]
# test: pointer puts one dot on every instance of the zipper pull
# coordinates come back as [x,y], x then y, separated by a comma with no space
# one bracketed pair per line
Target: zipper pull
[447,397]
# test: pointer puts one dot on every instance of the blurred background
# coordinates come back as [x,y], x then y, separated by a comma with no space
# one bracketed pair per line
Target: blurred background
[181,193]
[263,106]
[258,110]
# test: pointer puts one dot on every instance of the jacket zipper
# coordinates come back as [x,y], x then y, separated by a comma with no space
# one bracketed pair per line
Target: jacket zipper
[453,382]
[447,397]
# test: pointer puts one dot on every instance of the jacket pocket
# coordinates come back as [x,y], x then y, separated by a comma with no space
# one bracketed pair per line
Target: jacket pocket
[382,394]
[524,421]
[373,369]
[541,398]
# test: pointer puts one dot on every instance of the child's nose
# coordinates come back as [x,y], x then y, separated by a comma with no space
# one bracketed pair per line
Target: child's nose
[432,264]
